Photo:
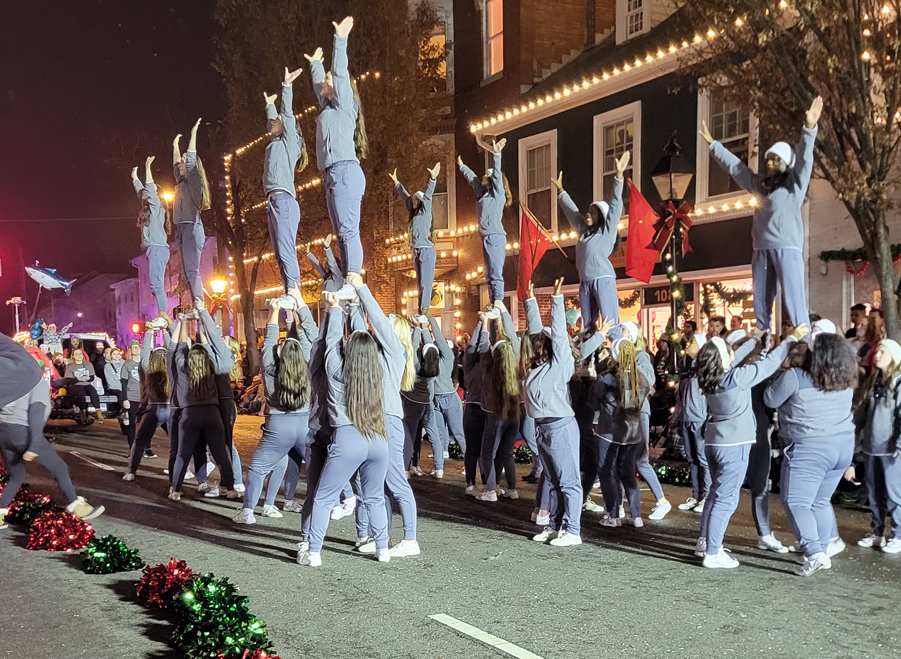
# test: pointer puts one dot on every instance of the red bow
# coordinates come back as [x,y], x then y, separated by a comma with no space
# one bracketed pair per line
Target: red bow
[664,227]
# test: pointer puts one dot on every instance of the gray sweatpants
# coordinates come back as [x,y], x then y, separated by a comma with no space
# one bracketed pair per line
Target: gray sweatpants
[598,296]
[558,444]
[189,237]
[693,437]
[13,444]
[396,483]
[498,439]
[345,184]
[157,260]
[424,261]
[281,433]
[883,480]
[728,465]
[783,267]
[450,419]
[494,252]
[284,218]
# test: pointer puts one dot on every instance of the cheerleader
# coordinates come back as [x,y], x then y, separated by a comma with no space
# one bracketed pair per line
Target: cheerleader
[448,407]
[155,227]
[418,400]
[693,415]
[877,418]
[357,413]
[473,412]
[419,230]
[546,398]
[493,192]
[331,271]
[340,144]
[778,230]
[598,240]
[285,152]
[730,431]
[154,403]
[287,386]
[131,390]
[192,195]
[815,423]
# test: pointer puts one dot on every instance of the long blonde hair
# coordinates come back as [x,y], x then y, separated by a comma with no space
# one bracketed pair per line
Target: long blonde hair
[204,187]
[402,330]
[504,381]
[363,385]
[200,372]
[361,142]
[628,383]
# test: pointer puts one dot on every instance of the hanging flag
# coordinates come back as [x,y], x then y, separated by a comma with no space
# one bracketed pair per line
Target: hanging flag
[533,243]
[640,255]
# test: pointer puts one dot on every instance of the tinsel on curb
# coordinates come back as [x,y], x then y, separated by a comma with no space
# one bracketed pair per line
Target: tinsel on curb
[521,453]
[109,555]
[160,583]
[28,506]
[59,531]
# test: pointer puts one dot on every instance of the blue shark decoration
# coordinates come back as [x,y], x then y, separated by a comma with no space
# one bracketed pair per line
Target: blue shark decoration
[47,277]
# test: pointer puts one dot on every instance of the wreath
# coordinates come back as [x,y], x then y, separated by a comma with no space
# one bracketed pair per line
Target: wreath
[731,296]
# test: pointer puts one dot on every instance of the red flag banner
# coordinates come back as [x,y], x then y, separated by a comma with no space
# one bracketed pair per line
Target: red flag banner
[640,255]
[533,243]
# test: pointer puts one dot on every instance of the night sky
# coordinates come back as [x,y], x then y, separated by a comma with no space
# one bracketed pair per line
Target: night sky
[89,89]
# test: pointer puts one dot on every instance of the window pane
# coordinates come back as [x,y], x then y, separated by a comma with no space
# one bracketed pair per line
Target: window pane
[540,205]
[439,211]
[539,167]
[730,125]
[632,5]
[496,54]
[495,13]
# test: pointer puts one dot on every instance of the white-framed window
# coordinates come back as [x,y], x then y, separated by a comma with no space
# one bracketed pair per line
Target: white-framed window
[494,37]
[616,132]
[633,17]
[440,214]
[737,130]
[537,168]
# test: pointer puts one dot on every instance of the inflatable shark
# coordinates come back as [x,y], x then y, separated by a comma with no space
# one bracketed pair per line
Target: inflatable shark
[47,277]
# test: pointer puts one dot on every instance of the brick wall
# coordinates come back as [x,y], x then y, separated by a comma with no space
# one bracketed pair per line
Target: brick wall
[550,30]
[544,307]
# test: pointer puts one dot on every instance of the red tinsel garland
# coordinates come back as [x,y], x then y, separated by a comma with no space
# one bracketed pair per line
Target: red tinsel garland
[857,272]
[59,532]
[258,654]
[161,582]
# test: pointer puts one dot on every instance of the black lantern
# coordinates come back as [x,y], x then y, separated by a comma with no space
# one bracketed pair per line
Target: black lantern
[673,173]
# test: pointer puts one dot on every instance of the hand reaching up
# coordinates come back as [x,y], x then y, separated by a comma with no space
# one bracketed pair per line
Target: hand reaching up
[343,28]
[315,57]
[270,98]
[434,171]
[291,76]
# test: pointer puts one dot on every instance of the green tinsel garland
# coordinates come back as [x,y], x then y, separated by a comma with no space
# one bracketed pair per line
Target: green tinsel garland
[629,301]
[108,555]
[727,295]
[213,619]
[669,475]
[859,254]
[522,455]
[454,451]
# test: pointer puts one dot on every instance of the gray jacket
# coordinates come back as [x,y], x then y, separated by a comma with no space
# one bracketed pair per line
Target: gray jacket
[223,358]
[444,383]
[421,218]
[610,424]
[422,386]
[777,218]
[491,200]
[282,152]
[693,404]
[805,412]
[112,375]
[394,355]
[306,335]
[188,192]
[879,420]
[546,389]
[596,243]
[337,120]
[153,233]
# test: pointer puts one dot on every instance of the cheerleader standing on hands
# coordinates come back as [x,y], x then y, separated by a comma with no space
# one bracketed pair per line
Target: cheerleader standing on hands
[192,195]
[155,225]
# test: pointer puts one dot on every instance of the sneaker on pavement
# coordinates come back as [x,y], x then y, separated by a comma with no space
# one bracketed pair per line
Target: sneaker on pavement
[212,492]
[174,496]
[547,533]
[511,494]
[637,522]
[870,540]
[368,547]
[689,504]
[344,509]
[660,509]
[311,558]
[530,478]
[701,548]
[245,517]
[82,509]
[543,520]
[233,495]
[383,555]
[272,511]
[128,477]
[720,560]
[416,471]
[836,546]
[893,546]
[203,488]
[404,548]
[239,488]
[291,507]
[446,455]
[150,455]
[190,475]
[591,507]
[471,491]
[566,539]
[815,563]
[437,473]
[362,541]
[771,543]
[700,507]
[612,522]
[487,495]
[596,485]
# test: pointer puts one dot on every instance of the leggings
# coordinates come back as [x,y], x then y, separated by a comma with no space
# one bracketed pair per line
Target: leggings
[414,422]
[228,410]
[281,433]
[641,463]
[84,391]
[449,420]
[319,442]
[134,411]
[199,451]
[345,184]
[473,428]
[284,218]
[498,440]
[693,437]
[152,417]
[618,467]
[13,445]
[202,423]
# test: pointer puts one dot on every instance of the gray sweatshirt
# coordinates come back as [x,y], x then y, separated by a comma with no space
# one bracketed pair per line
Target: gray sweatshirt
[646,369]
[131,380]
[31,410]
[693,406]
[155,232]
[879,420]
[546,389]
[334,368]
[444,383]
[603,399]
[83,372]
[472,370]
[209,392]
[20,371]
[486,359]
[777,218]
[337,120]
[422,386]
[596,243]
[394,355]
[805,412]
[319,412]
[112,375]
[730,417]
[188,192]
[305,337]
[223,358]
[282,152]
[421,220]
[331,273]
[491,200]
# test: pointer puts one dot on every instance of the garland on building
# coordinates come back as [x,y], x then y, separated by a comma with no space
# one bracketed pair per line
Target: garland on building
[850,256]
[731,296]
[629,301]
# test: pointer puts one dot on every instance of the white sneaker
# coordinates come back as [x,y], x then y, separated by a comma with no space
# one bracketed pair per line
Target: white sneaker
[612,522]
[421,318]
[720,560]
[437,473]
[404,548]
[311,558]
[189,475]
[701,548]
[493,314]
[303,545]
[344,509]
[271,511]
[511,494]
[487,495]
[446,455]
[547,533]
[245,517]
[174,496]
[347,293]
[622,511]
[368,547]
[471,491]
[770,543]
[128,477]
[203,488]
[637,522]
[362,541]
[239,488]
[383,555]
[566,539]
[700,507]
[870,540]
[287,302]
[591,507]
[836,546]
[159,323]
[596,485]
[815,563]
[689,504]
[211,492]
[291,507]
[416,471]
[893,546]
[232,494]
[660,509]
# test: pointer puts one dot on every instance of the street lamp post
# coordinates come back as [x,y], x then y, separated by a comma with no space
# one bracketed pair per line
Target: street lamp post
[218,286]
[16,302]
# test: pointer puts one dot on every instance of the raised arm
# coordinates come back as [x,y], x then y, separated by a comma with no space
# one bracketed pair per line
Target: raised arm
[471,351]
[404,196]
[332,261]
[738,170]
[317,74]
[804,156]
[783,387]
[533,317]
[615,210]
[559,335]
[176,154]
[340,74]
[138,186]
[316,265]
[334,365]
[223,357]
[471,178]
[753,374]
[497,179]
[270,339]
[440,342]
[146,349]
[308,330]
[571,212]
[287,112]
[744,350]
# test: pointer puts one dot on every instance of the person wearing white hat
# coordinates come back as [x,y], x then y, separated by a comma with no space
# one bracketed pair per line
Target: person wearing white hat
[877,419]
[419,233]
[693,416]
[598,239]
[778,230]
[730,432]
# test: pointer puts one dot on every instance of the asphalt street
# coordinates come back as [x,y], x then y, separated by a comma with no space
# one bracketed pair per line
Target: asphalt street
[623,593]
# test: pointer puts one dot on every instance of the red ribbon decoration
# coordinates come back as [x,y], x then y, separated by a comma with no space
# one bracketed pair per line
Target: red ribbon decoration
[664,227]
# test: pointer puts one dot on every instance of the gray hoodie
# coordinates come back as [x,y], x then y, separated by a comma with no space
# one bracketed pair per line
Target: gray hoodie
[609,425]
[546,389]
[282,152]
[421,220]
[596,243]
[422,386]
[223,358]
[188,192]
[805,412]
[879,420]
[394,355]
[444,383]
[693,404]
[306,335]
[153,233]
[777,217]
[337,120]
[491,200]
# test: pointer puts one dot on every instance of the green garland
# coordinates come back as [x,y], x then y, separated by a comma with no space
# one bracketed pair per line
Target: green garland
[730,296]
[629,302]
[859,254]
[109,555]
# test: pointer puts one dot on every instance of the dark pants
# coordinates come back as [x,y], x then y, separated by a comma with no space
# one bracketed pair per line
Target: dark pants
[13,444]
[473,427]
[618,466]
[414,422]
[153,417]
[84,391]
[131,428]
[202,423]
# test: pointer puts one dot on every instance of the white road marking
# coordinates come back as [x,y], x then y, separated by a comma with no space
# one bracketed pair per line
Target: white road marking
[90,461]
[484,637]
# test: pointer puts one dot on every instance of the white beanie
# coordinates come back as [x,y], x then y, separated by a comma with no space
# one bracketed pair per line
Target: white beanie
[784,151]
[419,195]
[603,206]
[615,347]
[893,348]
[722,349]
[822,326]
[700,339]
[426,347]
[631,329]
[735,336]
